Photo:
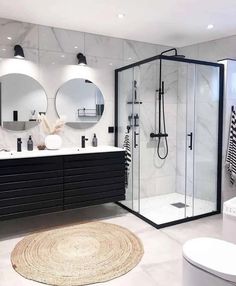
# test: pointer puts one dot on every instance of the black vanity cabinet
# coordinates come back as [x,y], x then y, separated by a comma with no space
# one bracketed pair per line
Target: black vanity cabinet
[30,186]
[91,179]
[47,184]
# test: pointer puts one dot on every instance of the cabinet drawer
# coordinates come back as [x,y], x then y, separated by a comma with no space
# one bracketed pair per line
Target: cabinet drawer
[93,183]
[94,202]
[92,190]
[31,183]
[29,207]
[91,169]
[30,213]
[94,196]
[30,199]
[31,191]
[32,176]
[93,176]
[30,165]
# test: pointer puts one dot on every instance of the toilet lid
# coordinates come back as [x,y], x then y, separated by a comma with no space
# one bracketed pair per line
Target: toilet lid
[215,256]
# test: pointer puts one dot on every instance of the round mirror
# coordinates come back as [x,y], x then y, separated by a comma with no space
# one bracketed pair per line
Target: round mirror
[21,99]
[81,102]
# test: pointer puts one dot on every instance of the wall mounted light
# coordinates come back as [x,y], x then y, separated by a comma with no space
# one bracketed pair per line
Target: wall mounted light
[81,59]
[18,52]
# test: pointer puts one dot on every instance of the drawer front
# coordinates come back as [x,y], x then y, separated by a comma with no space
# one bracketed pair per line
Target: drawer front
[29,186]
[93,178]
[30,165]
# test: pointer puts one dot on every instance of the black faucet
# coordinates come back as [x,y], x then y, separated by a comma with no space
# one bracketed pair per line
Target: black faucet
[83,139]
[19,142]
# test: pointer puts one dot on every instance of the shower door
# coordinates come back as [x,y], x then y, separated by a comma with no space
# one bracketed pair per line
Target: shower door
[129,125]
[184,184]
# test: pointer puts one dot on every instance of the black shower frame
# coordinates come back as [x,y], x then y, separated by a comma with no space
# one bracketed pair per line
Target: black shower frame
[220,132]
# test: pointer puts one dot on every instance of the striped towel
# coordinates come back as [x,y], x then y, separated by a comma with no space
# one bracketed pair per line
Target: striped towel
[127,148]
[231,150]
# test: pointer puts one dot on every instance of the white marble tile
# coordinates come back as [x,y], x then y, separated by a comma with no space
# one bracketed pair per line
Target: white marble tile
[166,273]
[135,51]
[24,34]
[57,58]
[102,46]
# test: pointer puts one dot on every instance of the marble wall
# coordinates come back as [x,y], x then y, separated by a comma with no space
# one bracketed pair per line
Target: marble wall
[228,190]
[50,58]
[214,51]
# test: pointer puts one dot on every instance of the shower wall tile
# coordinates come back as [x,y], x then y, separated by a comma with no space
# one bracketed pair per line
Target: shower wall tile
[157,186]
[161,174]
[213,50]
[21,33]
[56,58]
[60,40]
[102,46]
[228,190]
[135,51]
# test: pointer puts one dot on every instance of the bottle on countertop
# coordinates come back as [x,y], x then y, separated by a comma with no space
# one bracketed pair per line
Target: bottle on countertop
[94,141]
[19,142]
[30,144]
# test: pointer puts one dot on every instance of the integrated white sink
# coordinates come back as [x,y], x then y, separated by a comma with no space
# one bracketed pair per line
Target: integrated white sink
[63,151]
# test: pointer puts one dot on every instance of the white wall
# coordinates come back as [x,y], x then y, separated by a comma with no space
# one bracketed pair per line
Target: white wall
[51,59]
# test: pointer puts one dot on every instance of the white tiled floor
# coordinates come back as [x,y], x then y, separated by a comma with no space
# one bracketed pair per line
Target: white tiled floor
[162,261]
[159,209]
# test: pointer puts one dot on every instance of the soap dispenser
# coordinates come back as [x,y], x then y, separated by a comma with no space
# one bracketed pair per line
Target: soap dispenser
[94,141]
[30,144]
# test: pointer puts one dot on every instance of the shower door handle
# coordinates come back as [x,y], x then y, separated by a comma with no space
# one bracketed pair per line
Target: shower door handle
[190,146]
[135,139]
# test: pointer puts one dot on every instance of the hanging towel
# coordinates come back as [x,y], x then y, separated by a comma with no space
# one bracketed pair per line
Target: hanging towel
[126,146]
[231,150]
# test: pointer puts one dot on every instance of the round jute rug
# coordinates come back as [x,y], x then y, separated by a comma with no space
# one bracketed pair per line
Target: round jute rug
[77,255]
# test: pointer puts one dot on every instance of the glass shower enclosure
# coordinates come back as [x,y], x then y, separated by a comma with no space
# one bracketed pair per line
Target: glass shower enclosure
[169,111]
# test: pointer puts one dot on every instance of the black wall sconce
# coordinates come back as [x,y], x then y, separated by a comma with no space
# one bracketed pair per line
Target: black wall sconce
[19,52]
[81,59]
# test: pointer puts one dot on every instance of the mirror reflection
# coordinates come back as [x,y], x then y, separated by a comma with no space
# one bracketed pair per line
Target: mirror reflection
[21,99]
[81,102]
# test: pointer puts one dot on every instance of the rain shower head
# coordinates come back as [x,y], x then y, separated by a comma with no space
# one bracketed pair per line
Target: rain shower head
[175,53]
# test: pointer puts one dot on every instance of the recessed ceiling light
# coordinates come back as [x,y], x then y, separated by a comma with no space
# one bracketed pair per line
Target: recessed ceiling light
[3,49]
[210,26]
[62,56]
[76,47]
[121,15]
[129,58]
[111,64]
[9,38]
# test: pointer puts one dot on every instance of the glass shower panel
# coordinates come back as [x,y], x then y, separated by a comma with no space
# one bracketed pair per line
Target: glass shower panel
[206,138]
[125,95]
[189,159]
[163,181]
[135,129]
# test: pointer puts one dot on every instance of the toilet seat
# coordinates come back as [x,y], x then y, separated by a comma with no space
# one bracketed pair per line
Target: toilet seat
[215,256]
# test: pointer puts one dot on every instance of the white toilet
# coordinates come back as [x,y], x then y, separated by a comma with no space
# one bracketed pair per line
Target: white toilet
[209,262]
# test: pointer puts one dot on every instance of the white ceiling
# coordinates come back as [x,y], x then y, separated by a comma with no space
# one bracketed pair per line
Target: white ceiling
[168,22]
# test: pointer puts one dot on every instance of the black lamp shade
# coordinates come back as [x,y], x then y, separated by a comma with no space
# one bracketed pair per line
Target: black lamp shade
[81,59]
[18,52]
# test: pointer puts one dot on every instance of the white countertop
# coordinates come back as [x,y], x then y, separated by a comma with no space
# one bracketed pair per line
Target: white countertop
[64,151]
